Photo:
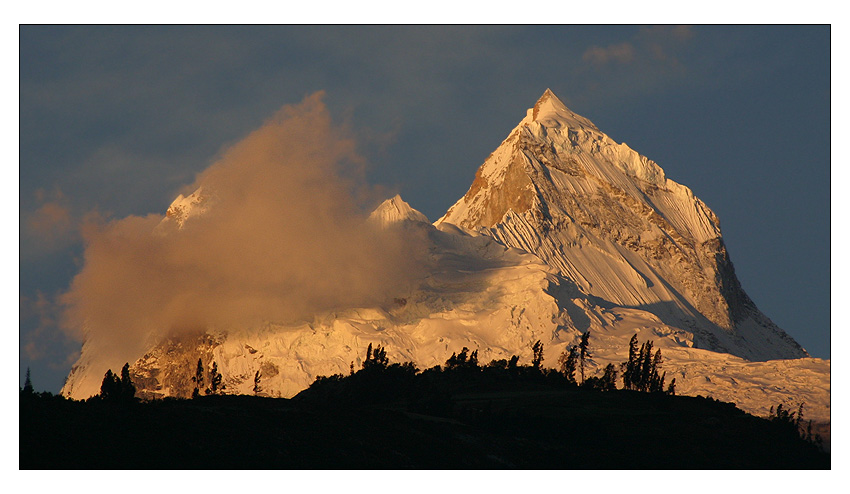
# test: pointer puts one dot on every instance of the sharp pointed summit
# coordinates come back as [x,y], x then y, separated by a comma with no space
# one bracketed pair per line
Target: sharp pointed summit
[550,111]
[547,101]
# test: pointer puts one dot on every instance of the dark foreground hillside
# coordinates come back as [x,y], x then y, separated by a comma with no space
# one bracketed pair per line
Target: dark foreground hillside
[514,424]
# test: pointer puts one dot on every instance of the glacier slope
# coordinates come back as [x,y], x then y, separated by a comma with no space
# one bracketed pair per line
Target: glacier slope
[480,295]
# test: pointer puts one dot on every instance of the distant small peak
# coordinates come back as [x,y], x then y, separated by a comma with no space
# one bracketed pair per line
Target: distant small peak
[395,210]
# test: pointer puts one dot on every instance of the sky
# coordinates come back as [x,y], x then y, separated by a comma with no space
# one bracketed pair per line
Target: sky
[116,121]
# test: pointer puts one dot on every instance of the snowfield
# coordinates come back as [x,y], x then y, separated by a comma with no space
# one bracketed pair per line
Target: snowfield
[563,231]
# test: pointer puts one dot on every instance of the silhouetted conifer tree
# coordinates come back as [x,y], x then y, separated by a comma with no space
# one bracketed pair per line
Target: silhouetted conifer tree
[609,378]
[641,371]
[198,379]
[257,388]
[537,355]
[645,366]
[109,386]
[118,388]
[376,357]
[583,351]
[215,380]
[463,360]
[631,368]
[127,390]
[671,389]
[28,389]
[567,363]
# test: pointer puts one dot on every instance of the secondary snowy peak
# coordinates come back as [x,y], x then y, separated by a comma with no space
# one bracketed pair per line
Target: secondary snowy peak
[395,210]
[183,208]
[609,219]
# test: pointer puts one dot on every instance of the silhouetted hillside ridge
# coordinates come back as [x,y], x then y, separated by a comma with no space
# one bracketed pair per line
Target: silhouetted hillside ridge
[393,416]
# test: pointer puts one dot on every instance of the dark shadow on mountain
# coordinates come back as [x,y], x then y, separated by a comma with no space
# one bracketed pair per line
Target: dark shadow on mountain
[565,292]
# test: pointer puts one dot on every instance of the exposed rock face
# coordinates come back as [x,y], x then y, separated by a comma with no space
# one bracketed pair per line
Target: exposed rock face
[608,219]
[168,369]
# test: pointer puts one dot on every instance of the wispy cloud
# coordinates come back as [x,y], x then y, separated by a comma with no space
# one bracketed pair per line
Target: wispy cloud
[52,226]
[651,45]
[620,53]
[43,341]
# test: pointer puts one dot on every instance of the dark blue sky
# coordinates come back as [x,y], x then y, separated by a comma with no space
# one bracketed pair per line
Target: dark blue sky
[118,119]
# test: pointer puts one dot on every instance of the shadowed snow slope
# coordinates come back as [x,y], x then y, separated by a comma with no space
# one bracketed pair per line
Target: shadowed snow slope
[563,231]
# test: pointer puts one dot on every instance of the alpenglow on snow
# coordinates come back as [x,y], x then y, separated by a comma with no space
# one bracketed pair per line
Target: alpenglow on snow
[562,231]
[609,220]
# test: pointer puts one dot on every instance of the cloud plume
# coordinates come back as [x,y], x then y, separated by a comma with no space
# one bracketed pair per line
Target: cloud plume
[284,236]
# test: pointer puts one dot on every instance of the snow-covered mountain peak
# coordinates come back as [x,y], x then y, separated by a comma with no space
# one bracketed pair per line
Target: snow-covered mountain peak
[395,210]
[563,232]
[609,219]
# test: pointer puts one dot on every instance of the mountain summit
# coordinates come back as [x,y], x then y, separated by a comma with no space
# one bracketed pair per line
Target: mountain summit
[552,112]
[608,219]
[395,210]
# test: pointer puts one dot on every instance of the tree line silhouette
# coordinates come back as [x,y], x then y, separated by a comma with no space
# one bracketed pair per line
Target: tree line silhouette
[378,379]
[463,413]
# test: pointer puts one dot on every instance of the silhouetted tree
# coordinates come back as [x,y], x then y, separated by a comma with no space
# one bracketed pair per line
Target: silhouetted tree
[28,389]
[641,371]
[127,388]
[109,386]
[215,380]
[645,363]
[118,389]
[785,417]
[631,368]
[463,360]
[537,355]
[376,358]
[609,378]
[793,422]
[583,351]
[671,389]
[257,388]
[456,360]
[198,379]
[567,363]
